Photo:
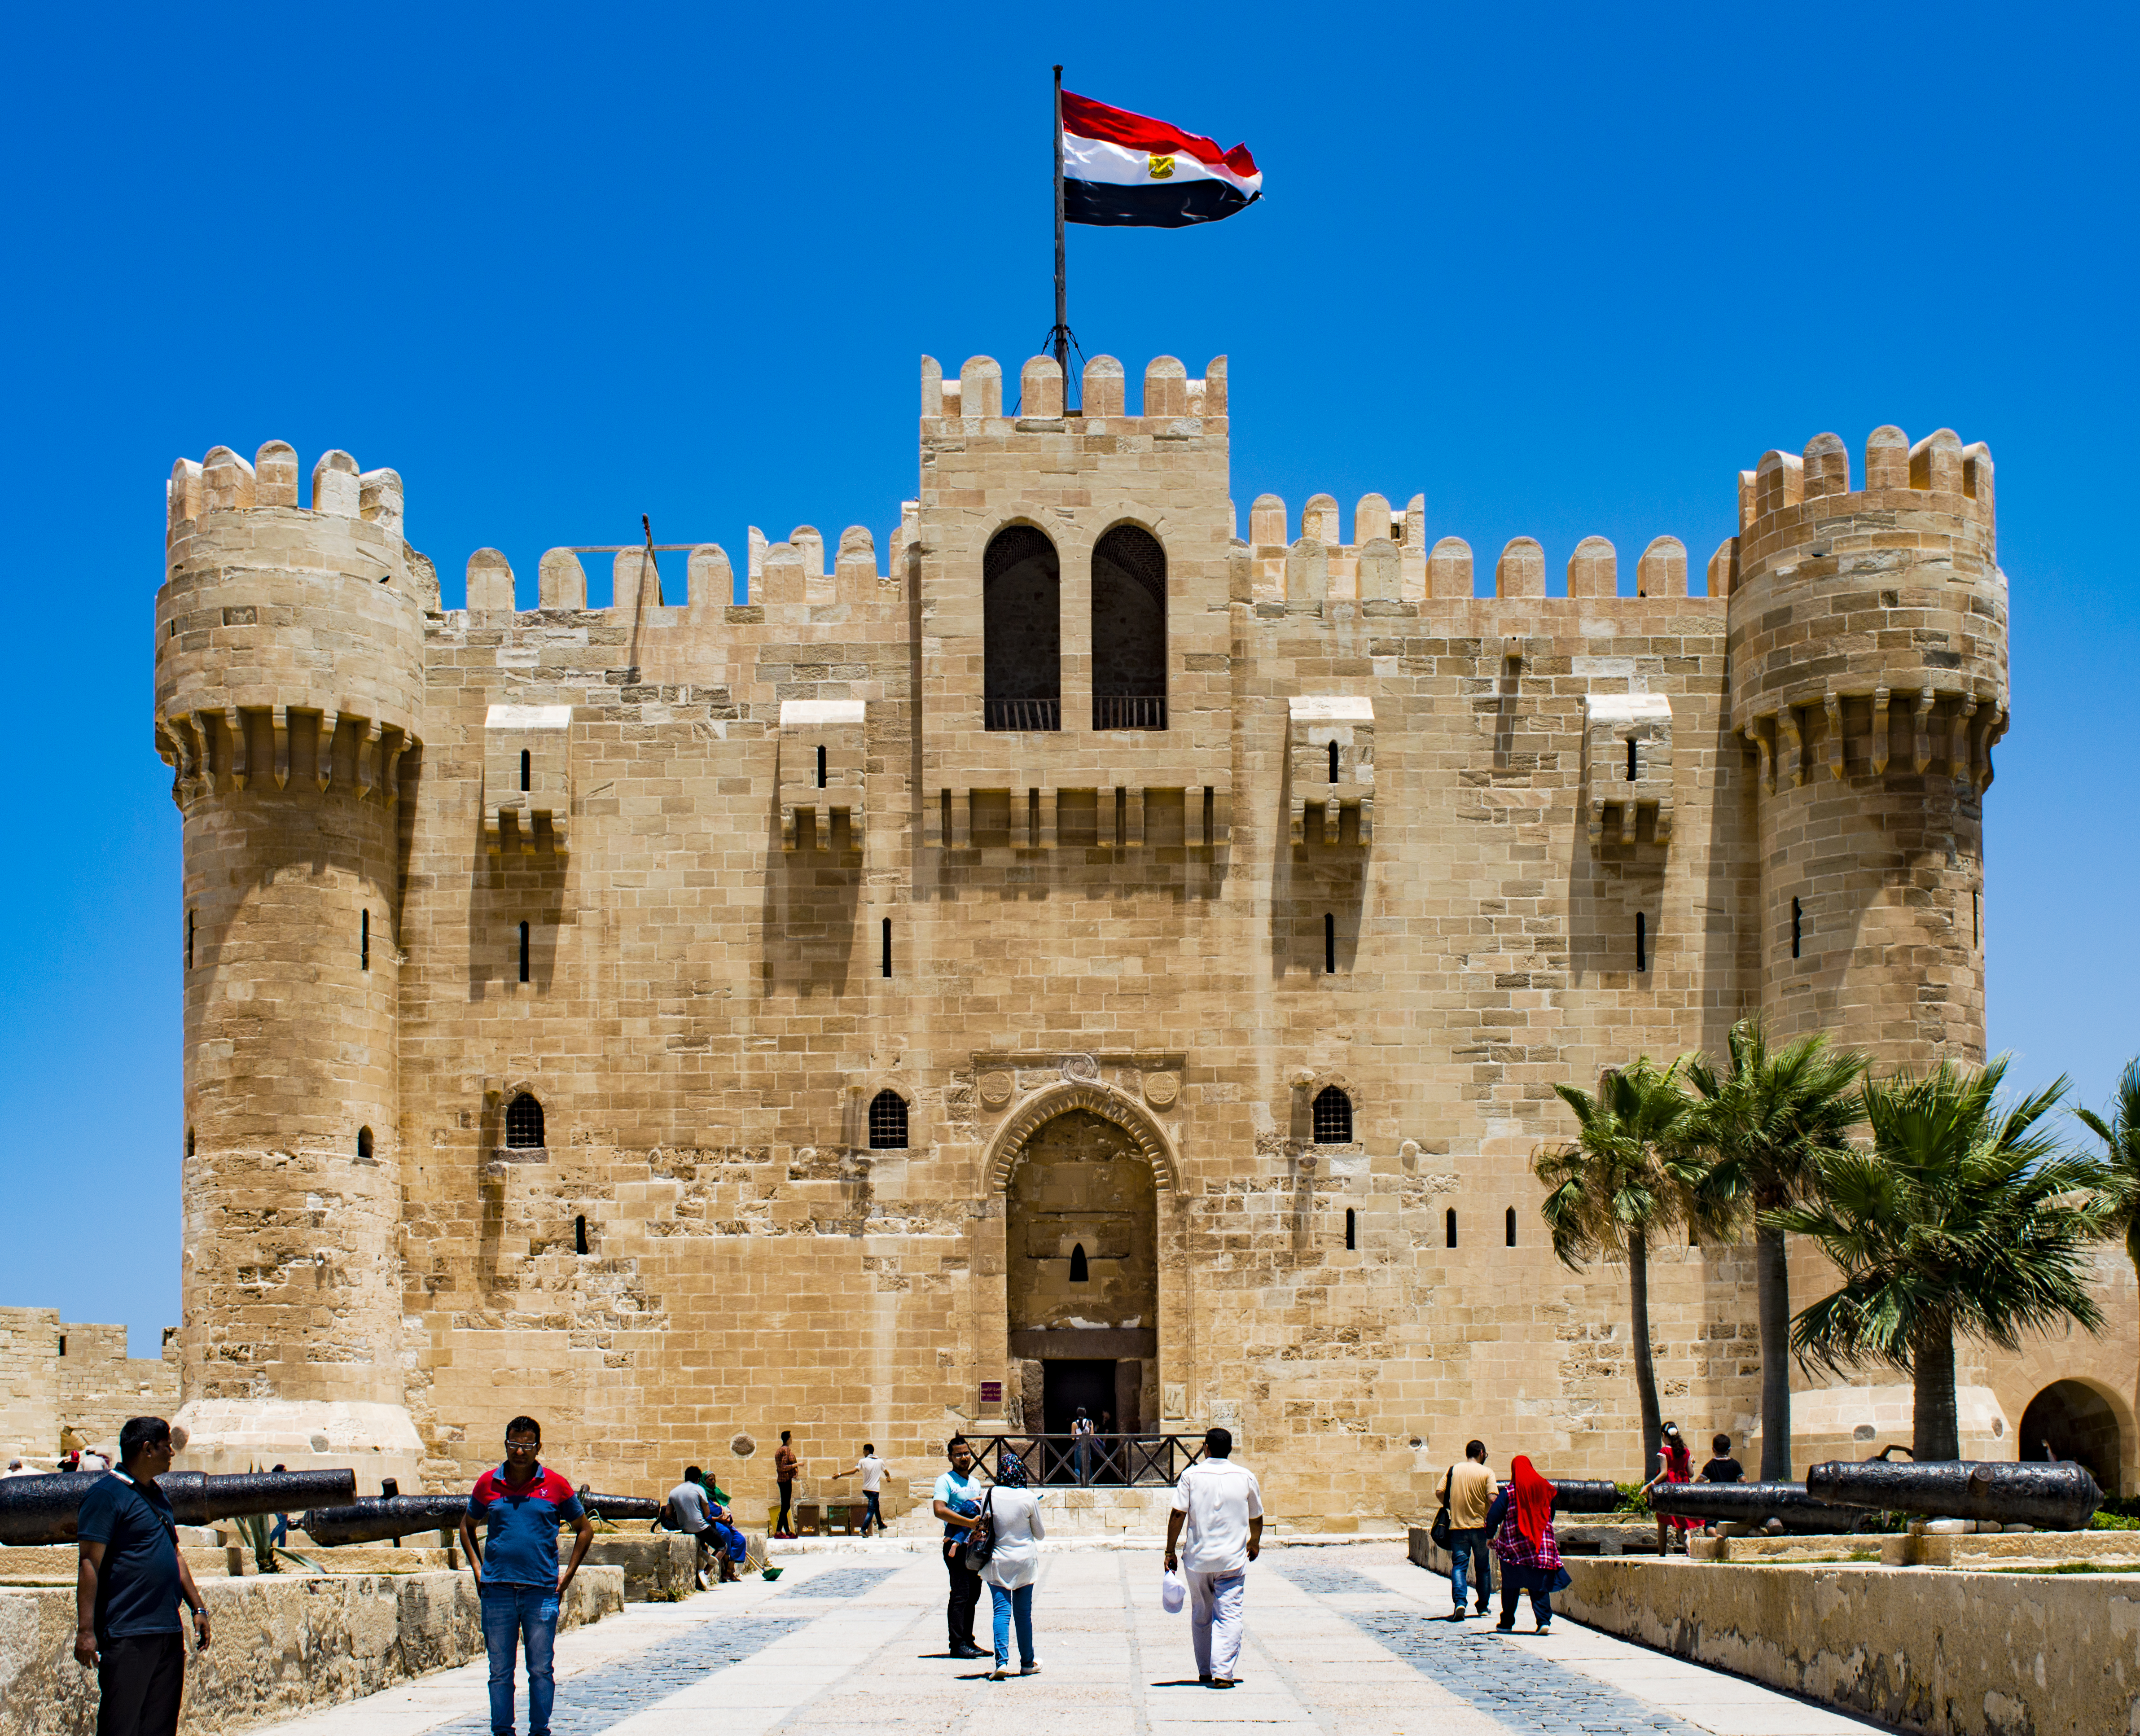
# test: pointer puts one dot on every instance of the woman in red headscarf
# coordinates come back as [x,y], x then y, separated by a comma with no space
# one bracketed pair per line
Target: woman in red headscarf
[1520,1522]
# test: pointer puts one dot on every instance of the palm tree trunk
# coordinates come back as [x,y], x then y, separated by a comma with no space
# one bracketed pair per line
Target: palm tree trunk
[1645,1367]
[1772,1291]
[1936,1426]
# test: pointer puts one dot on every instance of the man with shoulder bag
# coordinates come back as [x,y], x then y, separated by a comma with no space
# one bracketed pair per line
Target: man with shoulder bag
[958,1504]
[1467,1492]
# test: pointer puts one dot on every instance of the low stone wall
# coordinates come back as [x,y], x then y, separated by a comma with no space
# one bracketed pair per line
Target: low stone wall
[1952,1653]
[283,1644]
[659,1566]
[1604,1537]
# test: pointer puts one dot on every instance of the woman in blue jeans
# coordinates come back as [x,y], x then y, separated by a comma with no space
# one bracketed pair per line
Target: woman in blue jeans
[1014,1511]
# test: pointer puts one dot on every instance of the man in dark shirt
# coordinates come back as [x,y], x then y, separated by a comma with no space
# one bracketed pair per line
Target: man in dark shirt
[523,1503]
[1723,1467]
[128,1587]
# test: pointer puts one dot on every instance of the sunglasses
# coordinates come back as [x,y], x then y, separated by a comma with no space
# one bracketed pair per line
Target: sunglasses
[523,1446]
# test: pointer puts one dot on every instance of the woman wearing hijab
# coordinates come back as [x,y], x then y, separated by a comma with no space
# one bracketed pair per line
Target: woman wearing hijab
[1674,1464]
[1014,1511]
[1520,1522]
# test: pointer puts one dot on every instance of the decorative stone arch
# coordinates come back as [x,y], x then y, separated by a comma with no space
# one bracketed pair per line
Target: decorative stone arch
[1097,1098]
[1307,1084]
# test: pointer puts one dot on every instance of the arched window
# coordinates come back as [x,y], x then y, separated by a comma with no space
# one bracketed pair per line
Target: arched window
[579,1235]
[1448,1227]
[1512,1226]
[1352,1228]
[887,1122]
[1021,631]
[1080,1272]
[1334,761]
[1334,1117]
[523,1123]
[1129,630]
[364,1145]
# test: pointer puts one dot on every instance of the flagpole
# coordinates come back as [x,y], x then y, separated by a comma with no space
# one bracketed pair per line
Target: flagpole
[1061,333]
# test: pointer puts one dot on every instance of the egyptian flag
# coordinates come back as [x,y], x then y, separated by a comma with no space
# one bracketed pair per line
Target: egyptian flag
[1122,169]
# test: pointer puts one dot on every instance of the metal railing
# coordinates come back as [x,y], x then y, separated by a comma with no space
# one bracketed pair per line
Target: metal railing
[1124,711]
[1097,1461]
[1021,713]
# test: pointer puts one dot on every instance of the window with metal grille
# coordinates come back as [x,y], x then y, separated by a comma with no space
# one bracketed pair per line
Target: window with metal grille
[523,1122]
[364,1145]
[1334,1117]
[887,1122]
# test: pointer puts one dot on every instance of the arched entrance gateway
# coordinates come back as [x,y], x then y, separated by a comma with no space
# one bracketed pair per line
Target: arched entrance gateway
[1082,1171]
[2071,1420]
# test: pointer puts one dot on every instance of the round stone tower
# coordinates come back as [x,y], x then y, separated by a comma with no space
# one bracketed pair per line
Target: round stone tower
[289,691]
[1868,670]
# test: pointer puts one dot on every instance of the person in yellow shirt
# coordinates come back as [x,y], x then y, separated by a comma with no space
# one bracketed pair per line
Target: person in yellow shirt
[1469,1491]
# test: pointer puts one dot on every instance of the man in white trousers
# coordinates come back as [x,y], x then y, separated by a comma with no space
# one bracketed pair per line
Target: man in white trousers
[1223,1510]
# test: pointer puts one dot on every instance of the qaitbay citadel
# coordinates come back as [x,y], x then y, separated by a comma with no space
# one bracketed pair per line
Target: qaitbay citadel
[1090,944]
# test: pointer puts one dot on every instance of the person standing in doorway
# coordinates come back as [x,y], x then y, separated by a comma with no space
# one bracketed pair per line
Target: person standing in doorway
[958,1504]
[130,1582]
[1219,1505]
[1081,1444]
[1468,1491]
[871,1469]
[785,1465]
[522,1503]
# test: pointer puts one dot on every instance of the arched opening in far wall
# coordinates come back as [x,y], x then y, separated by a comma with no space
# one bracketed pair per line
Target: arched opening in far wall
[2070,1420]
[1021,631]
[1129,630]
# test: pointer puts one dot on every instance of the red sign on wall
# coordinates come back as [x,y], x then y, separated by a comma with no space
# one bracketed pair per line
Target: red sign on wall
[992,1392]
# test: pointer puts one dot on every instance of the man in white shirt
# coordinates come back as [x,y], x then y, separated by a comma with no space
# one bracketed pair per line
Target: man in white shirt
[687,1506]
[1223,1510]
[871,1469]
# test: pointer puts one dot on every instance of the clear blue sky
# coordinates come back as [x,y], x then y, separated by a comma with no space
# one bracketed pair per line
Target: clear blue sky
[1566,270]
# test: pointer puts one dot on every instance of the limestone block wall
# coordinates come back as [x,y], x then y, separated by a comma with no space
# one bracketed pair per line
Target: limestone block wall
[29,1383]
[58,1374]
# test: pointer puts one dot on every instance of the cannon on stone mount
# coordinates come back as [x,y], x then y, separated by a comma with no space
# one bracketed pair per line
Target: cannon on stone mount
[1788,1505]
[1585,1494]
[2061,1497]
[616,1507]
[41,1509]
[381,1516]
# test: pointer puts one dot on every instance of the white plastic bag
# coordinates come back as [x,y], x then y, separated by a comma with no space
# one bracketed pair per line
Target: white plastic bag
[1173,1592]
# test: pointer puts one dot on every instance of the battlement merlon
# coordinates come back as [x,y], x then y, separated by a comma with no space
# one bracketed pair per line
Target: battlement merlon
[1874,601]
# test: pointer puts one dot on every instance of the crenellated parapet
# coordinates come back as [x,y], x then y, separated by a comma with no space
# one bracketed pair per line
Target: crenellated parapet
[289,639]
[1869,625]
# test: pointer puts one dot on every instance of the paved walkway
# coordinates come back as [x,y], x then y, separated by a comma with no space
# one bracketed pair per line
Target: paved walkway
[1343,1641]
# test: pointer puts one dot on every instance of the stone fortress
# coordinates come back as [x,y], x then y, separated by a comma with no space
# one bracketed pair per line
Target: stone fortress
[1092,950]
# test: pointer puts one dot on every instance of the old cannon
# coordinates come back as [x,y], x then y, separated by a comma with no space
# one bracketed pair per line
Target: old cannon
[2061,1497]
[382,1517]
[1788,1505]
[41,1509]
[616,1507]
[1585,1494]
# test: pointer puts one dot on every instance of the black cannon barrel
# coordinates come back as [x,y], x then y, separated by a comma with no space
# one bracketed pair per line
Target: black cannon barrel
[41,1509]
[2060,1497]
[381,1516]
[1584,1495]
[1753,1503]
[614,1508]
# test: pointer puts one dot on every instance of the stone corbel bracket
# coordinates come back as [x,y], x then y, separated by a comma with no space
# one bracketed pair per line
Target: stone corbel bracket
[823,757]
[527,777]
[1330,761]
[1628,763]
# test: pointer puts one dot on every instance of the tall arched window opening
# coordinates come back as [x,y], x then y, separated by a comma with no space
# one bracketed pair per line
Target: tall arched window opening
[1352,1228]
[1081,1272]
[364,1145]
[523,1123]
[1448,1227]
[579,1235]
[527,768]
[1334,761]
[1512,1226]
[887,1122]
[1334,1117]
[1129,630]
[1021,631]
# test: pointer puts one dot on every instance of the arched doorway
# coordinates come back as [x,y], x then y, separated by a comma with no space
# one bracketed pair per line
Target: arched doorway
[1129,630]
[1083,1278]
[2071,1420]
[1021,631]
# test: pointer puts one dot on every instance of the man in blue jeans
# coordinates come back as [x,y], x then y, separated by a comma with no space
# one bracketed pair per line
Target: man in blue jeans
[523,1503]
[1469,1491]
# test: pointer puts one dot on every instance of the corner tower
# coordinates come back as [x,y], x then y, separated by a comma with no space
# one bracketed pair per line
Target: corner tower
[289,685]
[1868,634]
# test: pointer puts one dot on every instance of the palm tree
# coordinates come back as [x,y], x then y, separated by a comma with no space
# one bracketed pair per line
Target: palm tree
[2121,1162]
[1760,1126]
[1623,1177]
[1961,1219]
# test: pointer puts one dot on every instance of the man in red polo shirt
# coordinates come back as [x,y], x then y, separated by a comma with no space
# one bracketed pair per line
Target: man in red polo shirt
[523,1503]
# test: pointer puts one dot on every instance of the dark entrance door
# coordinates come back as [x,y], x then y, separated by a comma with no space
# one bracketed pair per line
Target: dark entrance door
[1067,1385]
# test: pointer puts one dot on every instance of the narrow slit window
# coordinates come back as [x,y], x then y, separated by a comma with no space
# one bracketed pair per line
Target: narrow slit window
[63,1344]
[523,952]
[191,1142]
[579,1235]
[1334,761]
[364,1145]
[1330,944]
[190,940]
[887,946]
[523,1123]
[1797,927]
[1352,1228]
[821,765]
[526,769]
[1976,918]
[1448,1227]
[1630,759]
[1081,1271]
[887,1122]
[1641,941]
[1509,1226]
[364,941]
